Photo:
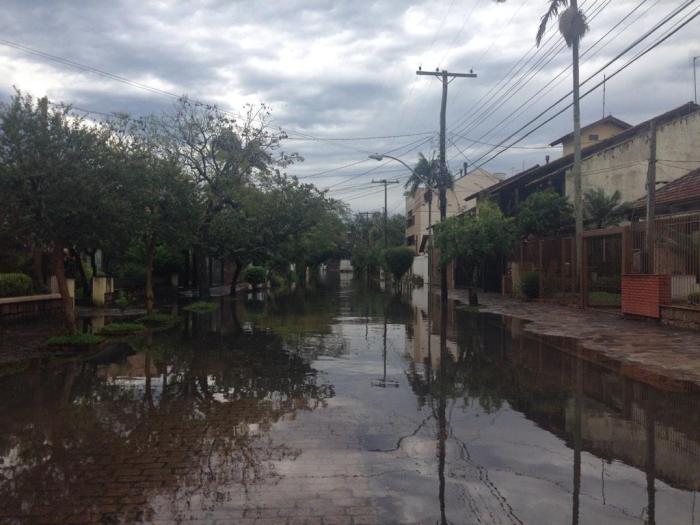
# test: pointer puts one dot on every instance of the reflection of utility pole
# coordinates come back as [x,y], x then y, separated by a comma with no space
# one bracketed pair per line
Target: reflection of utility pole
[384,382]
[442,409]
[385,182]
[578,401]
[650,420]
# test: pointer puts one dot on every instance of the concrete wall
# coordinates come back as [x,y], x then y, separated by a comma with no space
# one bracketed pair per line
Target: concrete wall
[420,267]
[463,187]
[624,167]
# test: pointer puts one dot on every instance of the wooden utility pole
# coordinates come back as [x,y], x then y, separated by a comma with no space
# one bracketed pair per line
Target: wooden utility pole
[446,78]
[385,182]
[651,197]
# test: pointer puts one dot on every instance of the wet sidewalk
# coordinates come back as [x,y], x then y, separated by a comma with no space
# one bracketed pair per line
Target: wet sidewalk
[664,356]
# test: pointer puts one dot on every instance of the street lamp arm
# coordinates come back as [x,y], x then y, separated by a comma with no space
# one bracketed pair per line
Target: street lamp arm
[382,156]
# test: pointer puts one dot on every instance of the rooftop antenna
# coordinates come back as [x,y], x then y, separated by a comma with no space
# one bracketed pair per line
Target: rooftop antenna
[604,80]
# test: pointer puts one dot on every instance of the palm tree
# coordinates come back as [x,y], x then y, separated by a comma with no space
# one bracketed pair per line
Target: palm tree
[426,173]
[572,26]
[603,210]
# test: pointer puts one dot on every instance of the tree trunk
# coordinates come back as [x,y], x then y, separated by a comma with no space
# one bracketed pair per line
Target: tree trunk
[576,169]
[37,268]
[150,296]
[87,288]
[236,275]
[60,273]
[202,271]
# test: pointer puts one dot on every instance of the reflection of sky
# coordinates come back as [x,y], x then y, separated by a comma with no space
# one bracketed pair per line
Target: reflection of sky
[502,467]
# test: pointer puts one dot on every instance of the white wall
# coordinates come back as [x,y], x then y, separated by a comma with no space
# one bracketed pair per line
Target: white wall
[623,167]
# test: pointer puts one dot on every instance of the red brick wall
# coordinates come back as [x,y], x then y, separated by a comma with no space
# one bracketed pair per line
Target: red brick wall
[644,294]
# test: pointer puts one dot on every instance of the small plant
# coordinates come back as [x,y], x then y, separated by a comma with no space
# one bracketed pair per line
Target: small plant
[15,284]
[255,275]
[530,285]
[122,328]
[75,340]
[122,301]
[157,319]
[694,298]
[200,306]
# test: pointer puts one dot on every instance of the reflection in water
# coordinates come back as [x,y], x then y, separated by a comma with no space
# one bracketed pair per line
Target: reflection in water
[173,421]
[265,409]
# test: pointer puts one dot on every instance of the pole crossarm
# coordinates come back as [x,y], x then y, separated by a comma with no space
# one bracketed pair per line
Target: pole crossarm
[445,73]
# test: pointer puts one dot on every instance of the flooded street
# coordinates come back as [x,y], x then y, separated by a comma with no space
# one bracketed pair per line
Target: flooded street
[342,405]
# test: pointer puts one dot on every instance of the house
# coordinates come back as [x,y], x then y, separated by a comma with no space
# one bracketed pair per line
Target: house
[617,163]
[420,214]
[676,197]
[592,133]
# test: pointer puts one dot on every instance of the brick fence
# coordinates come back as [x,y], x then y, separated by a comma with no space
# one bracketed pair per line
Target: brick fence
[643,294]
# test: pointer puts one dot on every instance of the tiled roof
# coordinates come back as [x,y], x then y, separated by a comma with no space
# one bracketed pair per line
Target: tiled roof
[684,189]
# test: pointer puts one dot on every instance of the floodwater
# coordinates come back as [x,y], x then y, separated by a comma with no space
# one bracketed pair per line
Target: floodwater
[341,405]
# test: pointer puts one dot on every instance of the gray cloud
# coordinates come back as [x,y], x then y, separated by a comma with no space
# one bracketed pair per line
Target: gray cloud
[338,69]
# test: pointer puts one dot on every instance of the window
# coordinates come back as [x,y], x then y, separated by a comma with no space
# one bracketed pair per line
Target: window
[593,136]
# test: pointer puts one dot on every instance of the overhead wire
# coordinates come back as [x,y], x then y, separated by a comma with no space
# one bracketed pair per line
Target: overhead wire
[554,82]
[679,25]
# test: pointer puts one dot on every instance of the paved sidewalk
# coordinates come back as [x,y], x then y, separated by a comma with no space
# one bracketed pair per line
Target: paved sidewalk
[646,350]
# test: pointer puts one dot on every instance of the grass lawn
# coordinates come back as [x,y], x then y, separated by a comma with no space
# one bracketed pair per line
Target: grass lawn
[75,340]
[122,328]
[201,306]
[604,299]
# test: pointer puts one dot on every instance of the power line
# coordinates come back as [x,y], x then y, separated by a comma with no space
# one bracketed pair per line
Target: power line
[689,18]
[541,92]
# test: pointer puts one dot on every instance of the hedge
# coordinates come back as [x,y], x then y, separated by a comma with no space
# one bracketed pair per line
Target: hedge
[15,284]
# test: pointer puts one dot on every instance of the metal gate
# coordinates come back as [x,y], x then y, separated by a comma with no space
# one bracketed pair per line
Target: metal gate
[603,262]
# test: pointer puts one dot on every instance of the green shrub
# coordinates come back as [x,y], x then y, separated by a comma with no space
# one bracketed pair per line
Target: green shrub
[75,340]
[157,318]
[200,306]
[277,281]
[530,285]
[398,260]
[122,328]
[694,298]
[15,284]
[255,275]
[123,300]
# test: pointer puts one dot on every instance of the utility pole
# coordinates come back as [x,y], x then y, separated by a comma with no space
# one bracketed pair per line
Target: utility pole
[385,182]
[651,196]
[446,78]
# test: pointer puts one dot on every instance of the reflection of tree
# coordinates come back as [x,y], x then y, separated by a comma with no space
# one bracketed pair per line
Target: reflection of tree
[190,427]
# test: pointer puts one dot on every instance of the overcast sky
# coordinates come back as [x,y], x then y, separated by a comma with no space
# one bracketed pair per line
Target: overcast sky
[346,70]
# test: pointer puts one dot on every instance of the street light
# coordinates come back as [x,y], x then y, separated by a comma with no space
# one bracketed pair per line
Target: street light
[441,192]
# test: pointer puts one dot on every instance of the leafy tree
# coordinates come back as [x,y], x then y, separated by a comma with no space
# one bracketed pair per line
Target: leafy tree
[426,173]
[255,275]
[479,240]
[602,210]
[163,210]
[544,213]
[221,154]
[59,181]
[398,260]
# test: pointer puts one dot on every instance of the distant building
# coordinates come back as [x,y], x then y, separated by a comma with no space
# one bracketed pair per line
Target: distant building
[592,133]
[617,163]
[417,209]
